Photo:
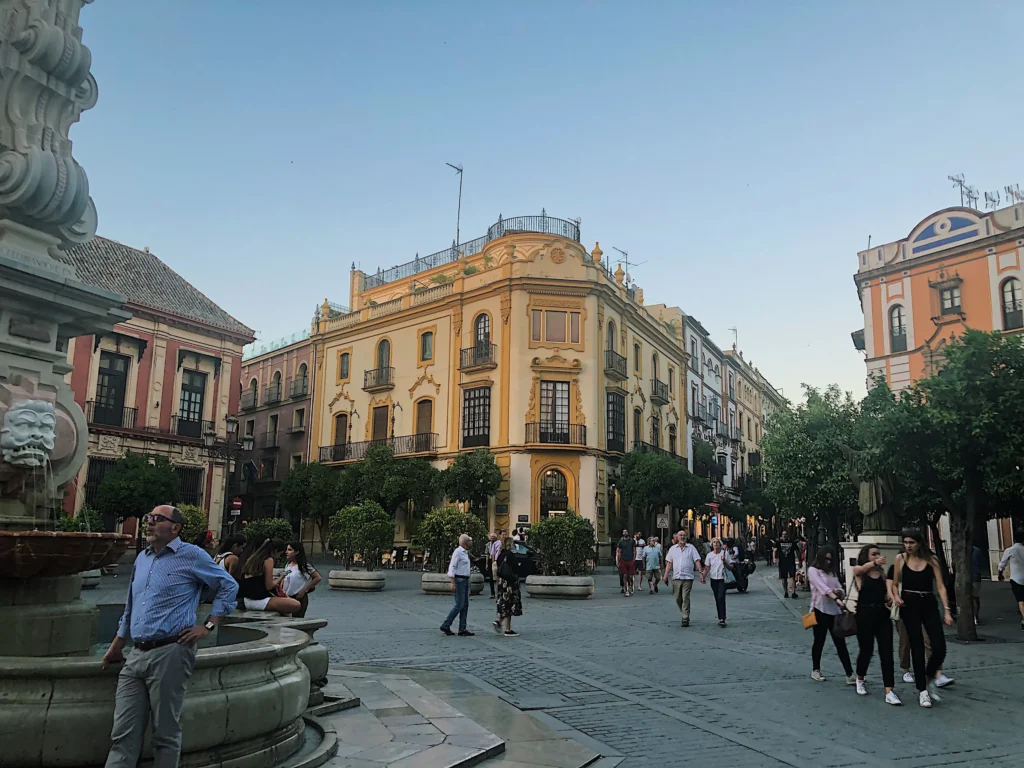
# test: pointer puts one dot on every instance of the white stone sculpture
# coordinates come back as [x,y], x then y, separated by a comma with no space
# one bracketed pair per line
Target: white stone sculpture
[29,433]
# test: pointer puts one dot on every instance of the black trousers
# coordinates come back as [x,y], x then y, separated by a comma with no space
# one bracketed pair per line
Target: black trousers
[489,575]
[874,625]
[825,627]
[920,614]
[718,587]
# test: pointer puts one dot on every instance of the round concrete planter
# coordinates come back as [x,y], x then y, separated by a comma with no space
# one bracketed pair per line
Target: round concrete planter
[91,579]
[440,584]
[560,587]
[359,581]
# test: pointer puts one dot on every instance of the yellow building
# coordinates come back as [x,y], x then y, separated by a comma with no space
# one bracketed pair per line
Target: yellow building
[519,341]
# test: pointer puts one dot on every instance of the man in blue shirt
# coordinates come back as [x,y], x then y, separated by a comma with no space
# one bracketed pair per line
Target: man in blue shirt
[159,616]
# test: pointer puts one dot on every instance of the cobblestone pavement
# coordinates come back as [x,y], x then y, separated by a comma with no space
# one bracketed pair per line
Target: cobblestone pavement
[624,674]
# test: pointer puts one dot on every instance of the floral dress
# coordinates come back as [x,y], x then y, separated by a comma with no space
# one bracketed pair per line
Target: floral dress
[510,602]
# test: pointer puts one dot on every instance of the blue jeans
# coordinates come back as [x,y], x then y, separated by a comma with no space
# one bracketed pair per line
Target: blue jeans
[461,607]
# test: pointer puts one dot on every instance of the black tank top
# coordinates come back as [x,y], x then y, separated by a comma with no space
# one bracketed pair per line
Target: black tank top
[253,588]
[918,581]
[872,592]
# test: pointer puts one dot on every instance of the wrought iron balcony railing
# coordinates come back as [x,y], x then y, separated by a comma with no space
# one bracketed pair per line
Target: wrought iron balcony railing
[298,387]
[558,433]
[249,400]
[101,414]
[478,356]
[378,378]
[641,447]
[659,391]
[185,426]
[615,364]
[424,442]
[272,394]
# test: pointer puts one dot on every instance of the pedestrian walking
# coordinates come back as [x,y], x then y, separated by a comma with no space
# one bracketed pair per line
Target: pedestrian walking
[458,572]
[491,566]
[638,560]
[167,580]
[684,562]
[716,563]
[625,552]
[826,596]
[786,555]
[510,601]
[652,564]
[874,624]
[916,577]
[1014,557]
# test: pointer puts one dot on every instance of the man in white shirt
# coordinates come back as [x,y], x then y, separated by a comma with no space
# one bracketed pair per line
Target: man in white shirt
[458,572]
[1014,557]
[684,562]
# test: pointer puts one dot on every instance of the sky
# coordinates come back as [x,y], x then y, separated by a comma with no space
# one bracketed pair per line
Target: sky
[741,152]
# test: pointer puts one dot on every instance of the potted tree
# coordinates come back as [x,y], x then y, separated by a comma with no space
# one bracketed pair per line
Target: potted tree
[566,545]
[439,532]
[365,529]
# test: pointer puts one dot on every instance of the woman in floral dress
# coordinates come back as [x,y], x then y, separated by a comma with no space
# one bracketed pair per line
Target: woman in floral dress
[510,603]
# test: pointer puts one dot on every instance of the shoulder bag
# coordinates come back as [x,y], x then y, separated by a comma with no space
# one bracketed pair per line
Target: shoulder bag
[505,570]
[846,622]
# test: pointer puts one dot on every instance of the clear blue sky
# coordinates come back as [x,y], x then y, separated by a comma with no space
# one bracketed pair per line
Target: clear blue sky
[744,150]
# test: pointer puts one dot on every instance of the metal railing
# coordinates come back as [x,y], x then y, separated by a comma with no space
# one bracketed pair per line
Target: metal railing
[616,443]
[517,225]
[424,442]
[269,441]
[614,363]
[296,429]
[641,447]
[478,354]
[735,434]
[249,400]
[723,430]
[558,433]
[659,390]
[272,394]
[378,377]
[702,413]
[110,416]
[298,387]
[185,426]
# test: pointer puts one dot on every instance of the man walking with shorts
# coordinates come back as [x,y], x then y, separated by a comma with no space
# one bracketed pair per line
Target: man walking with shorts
[786,555]
[683,561]
[625,551]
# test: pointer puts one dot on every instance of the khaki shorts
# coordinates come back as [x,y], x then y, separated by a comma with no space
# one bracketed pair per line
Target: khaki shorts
[653,574]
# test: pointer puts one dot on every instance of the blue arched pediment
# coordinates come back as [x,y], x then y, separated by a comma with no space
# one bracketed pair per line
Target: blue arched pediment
[944,230]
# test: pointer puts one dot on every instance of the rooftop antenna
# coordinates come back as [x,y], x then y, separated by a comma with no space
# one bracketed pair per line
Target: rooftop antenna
[1013,193]
[971,193]
[992,199]
[958,181]
[458,216]
[625,261]
[735,336]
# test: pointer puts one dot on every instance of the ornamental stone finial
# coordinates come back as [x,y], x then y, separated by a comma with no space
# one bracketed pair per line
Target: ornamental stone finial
[619,274]
[45,85]
[597,253]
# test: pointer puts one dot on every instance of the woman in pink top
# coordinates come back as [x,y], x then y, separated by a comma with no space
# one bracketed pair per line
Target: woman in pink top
[826,594]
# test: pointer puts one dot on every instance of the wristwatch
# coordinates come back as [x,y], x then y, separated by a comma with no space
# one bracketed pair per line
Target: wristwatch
[210,626]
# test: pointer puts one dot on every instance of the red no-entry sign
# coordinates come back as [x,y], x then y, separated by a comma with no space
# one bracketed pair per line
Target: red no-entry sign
[236,503]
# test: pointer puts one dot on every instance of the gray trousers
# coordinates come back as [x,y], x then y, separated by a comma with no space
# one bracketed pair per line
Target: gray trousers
[681,589]
[150,682]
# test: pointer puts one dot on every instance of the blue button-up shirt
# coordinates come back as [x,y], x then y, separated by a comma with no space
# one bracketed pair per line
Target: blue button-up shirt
[164,594]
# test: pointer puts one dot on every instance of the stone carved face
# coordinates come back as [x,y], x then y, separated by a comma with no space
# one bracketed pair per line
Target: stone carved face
[28,435]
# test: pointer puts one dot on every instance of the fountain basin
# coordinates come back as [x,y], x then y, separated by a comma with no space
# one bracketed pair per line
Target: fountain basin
[27,554]
[244,704]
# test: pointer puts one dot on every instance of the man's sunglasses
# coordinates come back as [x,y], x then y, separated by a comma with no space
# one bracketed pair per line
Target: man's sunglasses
[158,518]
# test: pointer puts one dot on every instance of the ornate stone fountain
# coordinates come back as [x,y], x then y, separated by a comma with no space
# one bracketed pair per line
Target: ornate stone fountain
[250,688]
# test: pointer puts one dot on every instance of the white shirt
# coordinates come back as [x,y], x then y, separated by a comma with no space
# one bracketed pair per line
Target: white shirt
[638,552]
[1014,556]
[459,565]
[684,560]
[294,579]
[716,564]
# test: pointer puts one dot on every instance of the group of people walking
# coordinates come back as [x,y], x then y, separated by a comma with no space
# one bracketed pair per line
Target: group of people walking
[499,570]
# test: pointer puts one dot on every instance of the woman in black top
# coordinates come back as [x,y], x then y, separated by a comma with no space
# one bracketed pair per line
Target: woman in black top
[510,602]
[917,573]
[256,586]
[873,622]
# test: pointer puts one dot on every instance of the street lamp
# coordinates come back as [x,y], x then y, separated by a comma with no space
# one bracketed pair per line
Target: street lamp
[229,450]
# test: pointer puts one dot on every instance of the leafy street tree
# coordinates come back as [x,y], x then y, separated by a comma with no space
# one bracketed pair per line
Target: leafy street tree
[809,472]
[472,478]
[313,491]
[650,482]
[705,461]
[136,484]
[958,437]
[440,531]
[566,544]
[391,482]
[363,528]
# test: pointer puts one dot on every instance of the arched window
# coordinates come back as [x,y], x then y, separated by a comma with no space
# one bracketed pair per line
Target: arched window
[638,426]
[694,400]
[672,439]
[254,393]
[897,330]
[343,366]
[554,493]
[654,365]
[1013,308]
[636,358]
[384,354]
[656,430]
[482,329]
[341,429]
[303,380]
[671,380]
[611,335]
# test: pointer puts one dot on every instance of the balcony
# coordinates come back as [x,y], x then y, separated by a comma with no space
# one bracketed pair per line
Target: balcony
[298,387]
[479,357]
[659,392]
[735,434]
[615,365]
[296,429]
[616,444]
[272,394]
[249,400]
[556,433]
[406,445]
[378,379]
[723,430]
[700,415]
[898,340]
[269,441]
[186,426]
[641,447]
[100,414]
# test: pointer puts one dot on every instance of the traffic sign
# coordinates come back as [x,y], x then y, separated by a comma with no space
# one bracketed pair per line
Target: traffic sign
[662,521]
[236,503]
[236,512]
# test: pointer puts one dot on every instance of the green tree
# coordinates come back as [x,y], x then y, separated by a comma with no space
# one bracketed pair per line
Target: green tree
[651,481]
[364,528]
[440,531]
[134,485]
[472,478]
[565,543]
[313,491]
[958,437]
[86,520]
[705,461]
[259,530]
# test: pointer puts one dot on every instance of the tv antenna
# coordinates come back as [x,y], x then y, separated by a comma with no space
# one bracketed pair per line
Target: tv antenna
[1013,193]
[959,181]
[627,263]
[735,336]
[992,199]
[971,193]
[458,215]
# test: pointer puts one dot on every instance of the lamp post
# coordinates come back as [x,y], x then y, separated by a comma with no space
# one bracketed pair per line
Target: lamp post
[229,450]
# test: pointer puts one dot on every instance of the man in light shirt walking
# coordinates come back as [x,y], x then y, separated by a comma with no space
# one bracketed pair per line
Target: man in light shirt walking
[458,572]
[684,562]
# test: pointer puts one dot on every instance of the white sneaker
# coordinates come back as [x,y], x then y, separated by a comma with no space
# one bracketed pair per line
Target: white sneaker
[817,676]
[908,677]
[851,680]
[862,690]
[924,699]
[892,698]
[933,692]
[942,681]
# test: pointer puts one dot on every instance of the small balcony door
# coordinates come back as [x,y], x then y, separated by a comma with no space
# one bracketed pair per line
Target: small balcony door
[111,386]
[190,404]
[380,423]
[554,411]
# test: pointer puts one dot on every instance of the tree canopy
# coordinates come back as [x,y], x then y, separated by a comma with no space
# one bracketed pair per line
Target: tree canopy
[472,478]
[135,484]
[652,481]
[314,492]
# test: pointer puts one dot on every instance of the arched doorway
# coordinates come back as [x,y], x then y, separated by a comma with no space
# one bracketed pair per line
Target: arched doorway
[554,493]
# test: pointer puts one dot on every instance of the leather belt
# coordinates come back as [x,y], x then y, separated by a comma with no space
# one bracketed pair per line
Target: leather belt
[150,645]
[460,577]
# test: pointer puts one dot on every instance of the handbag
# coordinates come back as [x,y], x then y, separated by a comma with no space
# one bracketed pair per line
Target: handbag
[894,610]
[505,570]
[809,619]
